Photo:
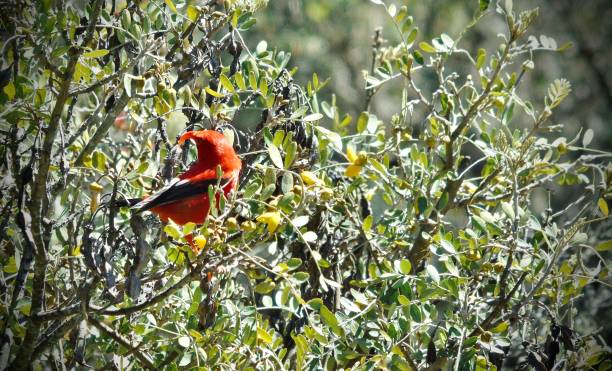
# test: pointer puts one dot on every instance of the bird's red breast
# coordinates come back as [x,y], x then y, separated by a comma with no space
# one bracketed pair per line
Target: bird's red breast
[185,199]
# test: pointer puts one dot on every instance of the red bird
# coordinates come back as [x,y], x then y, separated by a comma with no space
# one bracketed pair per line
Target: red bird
[185,198]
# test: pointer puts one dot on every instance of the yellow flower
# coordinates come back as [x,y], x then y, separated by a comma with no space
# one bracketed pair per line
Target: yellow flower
[200,241]
[351,155]
[95,190]
[310,178]
[357,161]
[353,171]
[272,220]
[362,158]
[95,187]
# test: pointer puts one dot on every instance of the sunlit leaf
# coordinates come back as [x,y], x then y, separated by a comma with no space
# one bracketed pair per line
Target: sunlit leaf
[603,206]
[275,156]
[95,53]
[171,5]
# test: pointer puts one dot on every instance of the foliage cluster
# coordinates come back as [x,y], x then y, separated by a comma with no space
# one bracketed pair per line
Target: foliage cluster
[352,242]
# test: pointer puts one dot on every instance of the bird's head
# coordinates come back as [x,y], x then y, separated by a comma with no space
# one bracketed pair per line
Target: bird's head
[213,149]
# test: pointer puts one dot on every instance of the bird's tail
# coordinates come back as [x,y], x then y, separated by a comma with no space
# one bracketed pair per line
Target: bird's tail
[127,202]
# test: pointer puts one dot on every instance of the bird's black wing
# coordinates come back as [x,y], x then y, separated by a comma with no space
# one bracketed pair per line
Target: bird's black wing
[176,190]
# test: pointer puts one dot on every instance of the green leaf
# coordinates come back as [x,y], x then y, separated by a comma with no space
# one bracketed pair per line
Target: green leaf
[406,26]
[171,5]
[248,24]
[290,152]
[500,328]
[448,246]
[588,137]
[252,80]
[188,228]
[192,13]
[484,5]
[263,87]
[403,300]
[330,320]
[60,51]
[213,93]
[443,201]
[412,35]
[301,349]
[432,273]
[557,92]
[315,303]
[447,41]
[184,341]
[175,255]
[401,14]
[226,83]
[603,206]
[263,335]
[422,204]
[508,113]
[479,223]
[98,160]
[95,53]
[9,90]
[334,138]
[415,313]
[367,223]
[39,97]
[426,47]
[300,221]
[265,287]
[172,230]
[362,121]
[507,209]
[313,117]
[287,183]
[11,266]
[418,57]
[25,309]
[275,156]
[127,84]
[605,246]
[481,59]
[405,266]
[240,81]
[294,263]
[301,276]
[279,135]
[310,236]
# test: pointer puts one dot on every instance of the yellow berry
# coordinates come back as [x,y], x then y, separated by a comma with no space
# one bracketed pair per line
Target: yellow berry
[248,226]
[232,223]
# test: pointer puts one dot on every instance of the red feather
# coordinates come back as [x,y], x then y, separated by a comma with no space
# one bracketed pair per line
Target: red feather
[185,199]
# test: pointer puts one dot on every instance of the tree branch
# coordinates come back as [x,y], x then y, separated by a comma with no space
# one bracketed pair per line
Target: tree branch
[144,359]
[39,191]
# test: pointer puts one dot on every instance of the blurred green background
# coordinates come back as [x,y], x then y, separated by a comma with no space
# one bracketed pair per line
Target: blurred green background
[333,38]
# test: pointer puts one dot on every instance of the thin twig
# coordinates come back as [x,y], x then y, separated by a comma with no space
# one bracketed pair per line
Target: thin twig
[144,359]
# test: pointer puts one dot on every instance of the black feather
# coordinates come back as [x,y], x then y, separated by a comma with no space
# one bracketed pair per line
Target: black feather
[177,190]
[127,202]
